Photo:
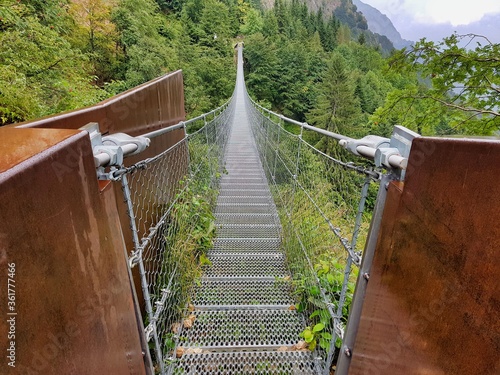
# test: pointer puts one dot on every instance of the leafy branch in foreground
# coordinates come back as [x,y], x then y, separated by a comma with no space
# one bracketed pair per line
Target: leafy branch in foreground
[464,81]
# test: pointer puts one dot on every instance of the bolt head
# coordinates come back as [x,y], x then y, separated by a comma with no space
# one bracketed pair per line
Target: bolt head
[347,352]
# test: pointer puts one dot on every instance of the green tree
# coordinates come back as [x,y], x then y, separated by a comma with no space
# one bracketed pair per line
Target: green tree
[253,23]
[337,108]
[372,89]
[146,52]
[96,35]
[270,26]
[40,71]
[261,63]
[463,80]
[214,24]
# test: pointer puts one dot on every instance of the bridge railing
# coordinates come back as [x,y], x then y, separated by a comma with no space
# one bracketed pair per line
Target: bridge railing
[325,203]
[169,200]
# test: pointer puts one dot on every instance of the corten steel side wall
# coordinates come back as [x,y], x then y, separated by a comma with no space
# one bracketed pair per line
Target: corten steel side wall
[66,232]
[151,106]
[433,299]
[74,302]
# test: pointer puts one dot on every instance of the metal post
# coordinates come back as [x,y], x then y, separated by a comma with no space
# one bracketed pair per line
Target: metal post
[346,350]
[142,271]
[186,140]
[276,154]
[266,126]
[209,159]
[296,175]
[347,271]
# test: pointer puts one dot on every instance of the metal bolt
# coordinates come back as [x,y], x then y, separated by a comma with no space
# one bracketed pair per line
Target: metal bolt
[347,352]
[366,276]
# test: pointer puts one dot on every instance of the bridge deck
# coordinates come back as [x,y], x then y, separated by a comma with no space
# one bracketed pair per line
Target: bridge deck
[242,308]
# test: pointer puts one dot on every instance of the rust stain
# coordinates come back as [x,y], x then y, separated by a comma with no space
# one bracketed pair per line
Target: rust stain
[19,145]
[433,300]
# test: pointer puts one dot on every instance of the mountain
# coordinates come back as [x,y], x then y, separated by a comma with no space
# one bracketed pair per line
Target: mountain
[489,26]
[328,6]
[381,24]
[347,14]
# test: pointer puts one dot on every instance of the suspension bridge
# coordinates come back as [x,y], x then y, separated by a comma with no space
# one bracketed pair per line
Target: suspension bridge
[290,240]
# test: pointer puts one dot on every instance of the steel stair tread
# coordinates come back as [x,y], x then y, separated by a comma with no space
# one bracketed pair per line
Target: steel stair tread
[242,265]
[242,294]
[242,218]
[245,245]
[262,199]
[271,231]
[250,208]
[255,362]
[242,329]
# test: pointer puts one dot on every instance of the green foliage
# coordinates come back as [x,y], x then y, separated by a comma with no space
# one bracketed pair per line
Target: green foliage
[96,36]
[337,108]
[306,66]
[63,55]
[145,51]
[313,336]
[187,233]
[253,23]
[462,85]
[40,71]
[315,255]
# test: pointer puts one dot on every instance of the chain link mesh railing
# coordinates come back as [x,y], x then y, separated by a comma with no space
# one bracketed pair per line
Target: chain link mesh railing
[324,203]
[170,199]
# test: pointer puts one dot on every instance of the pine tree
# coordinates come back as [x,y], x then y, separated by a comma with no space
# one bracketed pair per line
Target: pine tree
[337,109]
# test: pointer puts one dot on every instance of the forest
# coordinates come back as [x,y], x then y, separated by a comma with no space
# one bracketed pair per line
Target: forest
[326,69]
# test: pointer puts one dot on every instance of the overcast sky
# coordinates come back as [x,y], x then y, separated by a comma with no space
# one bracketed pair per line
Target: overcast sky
[434,19]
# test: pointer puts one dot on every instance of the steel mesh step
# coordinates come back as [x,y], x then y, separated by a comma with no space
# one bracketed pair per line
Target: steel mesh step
[239,218]
[245,208]
[247,363]
[268,265]
[243,329]
[243,180]
[244,200]
[243,152]
[237,294]
[244,192]
[244,162]
[248,186]
[246,174]
[245,245]
[248,231]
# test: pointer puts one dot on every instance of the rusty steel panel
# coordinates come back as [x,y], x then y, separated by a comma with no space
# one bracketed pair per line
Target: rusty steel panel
[151,106]
[73,300]
[433,299]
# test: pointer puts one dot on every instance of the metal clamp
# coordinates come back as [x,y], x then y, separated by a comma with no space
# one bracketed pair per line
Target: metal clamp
[111,149]
[389,153]
[362,147]
[107,155]
[134,258]
[148,332]
[130,145]
[389,157]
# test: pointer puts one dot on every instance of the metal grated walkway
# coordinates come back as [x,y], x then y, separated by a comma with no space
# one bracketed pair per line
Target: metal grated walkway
[242,312]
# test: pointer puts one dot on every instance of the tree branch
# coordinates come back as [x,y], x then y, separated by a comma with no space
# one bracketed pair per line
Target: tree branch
[45,69]
[461,108]
[492,86]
